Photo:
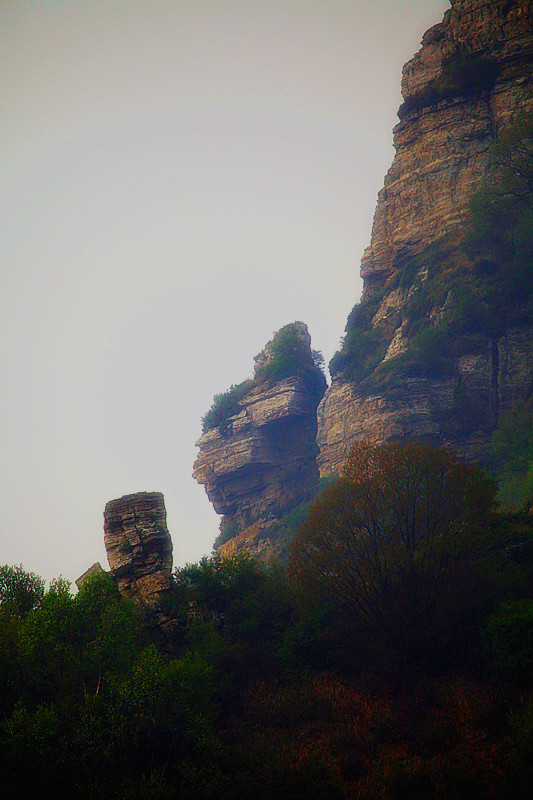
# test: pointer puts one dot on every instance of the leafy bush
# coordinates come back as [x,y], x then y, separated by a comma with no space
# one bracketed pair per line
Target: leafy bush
[20,591]
[510,456]
[227,530]
[224,406]
[391,544]
[510,631]
[289,356]
[363,345]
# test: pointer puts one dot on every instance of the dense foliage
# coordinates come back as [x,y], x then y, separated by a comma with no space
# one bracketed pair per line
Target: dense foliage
[289,356]
[410,679]
[224,406]
[510,456]
[412,516]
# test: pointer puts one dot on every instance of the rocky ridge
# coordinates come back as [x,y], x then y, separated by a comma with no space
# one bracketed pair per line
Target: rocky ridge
[441,343]
[442,147]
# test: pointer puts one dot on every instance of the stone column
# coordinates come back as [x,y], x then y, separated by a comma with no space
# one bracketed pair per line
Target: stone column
[138,545]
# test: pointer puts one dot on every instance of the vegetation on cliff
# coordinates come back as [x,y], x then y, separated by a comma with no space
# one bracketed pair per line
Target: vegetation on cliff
[462,292]
[510,456]
[288,355]
[410,679]
[225,405]
[392,543]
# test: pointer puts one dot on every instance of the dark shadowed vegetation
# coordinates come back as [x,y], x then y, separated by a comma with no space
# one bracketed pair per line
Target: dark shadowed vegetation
[393,660]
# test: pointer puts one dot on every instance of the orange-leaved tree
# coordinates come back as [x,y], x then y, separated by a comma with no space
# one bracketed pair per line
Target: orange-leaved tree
[393,543]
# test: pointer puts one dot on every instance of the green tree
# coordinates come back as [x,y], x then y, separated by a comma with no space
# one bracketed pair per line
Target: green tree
[20,591]
[291,356]
[510,456]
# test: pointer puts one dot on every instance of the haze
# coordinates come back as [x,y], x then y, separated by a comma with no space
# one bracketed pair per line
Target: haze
[178,180]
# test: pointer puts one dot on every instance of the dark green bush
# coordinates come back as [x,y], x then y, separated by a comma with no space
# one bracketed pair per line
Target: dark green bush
[20,591]
[227,530]
[363,345]
[290,356]
[510,456]
[510,631]
[224,406]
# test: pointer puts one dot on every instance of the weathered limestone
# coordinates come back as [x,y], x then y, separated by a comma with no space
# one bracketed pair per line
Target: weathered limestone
[461,409]
[138,545]
[441,159]
[441,151]
[264,462]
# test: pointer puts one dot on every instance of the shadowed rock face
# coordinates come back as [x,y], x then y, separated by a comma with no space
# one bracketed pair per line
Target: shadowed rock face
[138,545]
[266,463]
[442,158]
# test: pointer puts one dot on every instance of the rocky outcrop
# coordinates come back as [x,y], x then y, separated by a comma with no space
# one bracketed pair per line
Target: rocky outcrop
[460,409]
[262,461]
[94,569]
[442,143]
[418,360]
[138,545]
[470,80]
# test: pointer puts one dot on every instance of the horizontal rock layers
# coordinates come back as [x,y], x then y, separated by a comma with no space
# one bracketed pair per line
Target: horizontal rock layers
[138,545]
[471,79]
[461,409]
[266,461]
[442,150]
[262,462]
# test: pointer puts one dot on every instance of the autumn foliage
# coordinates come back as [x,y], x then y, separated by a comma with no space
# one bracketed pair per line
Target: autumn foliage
[392,542]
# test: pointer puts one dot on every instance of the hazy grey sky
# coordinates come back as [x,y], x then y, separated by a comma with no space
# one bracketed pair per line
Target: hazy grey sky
[179,179]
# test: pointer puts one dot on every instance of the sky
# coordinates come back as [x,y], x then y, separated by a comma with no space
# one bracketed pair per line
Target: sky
[178,180]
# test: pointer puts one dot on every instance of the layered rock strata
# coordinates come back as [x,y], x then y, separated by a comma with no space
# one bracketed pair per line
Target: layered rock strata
[470,80]
[138,545]
[262,462]
[442,147]
[461,409]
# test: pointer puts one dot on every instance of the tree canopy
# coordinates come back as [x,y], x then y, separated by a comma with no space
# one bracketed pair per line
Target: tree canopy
[391,540]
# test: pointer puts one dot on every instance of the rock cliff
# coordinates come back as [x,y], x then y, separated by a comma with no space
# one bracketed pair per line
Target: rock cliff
[259,462]
[438,346]
[138,545]
[451,116]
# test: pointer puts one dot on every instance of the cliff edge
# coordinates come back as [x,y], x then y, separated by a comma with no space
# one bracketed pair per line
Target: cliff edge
[257,455]
[440,345]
